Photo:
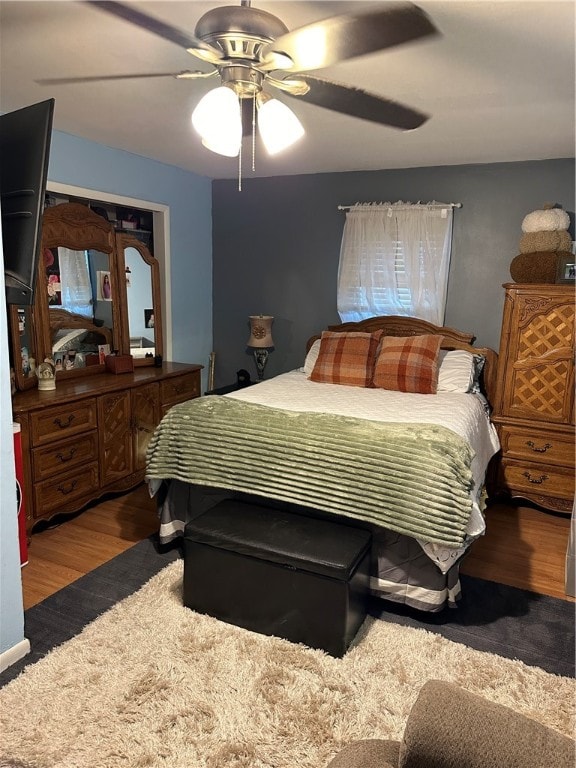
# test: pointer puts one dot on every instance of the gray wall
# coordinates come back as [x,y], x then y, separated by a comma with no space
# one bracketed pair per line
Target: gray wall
[276,246]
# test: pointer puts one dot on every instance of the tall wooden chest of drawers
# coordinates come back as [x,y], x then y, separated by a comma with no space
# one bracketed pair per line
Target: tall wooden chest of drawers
[89,436]
[534,408]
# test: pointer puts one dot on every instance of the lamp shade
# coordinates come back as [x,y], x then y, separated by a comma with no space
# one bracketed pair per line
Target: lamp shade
[279,127]
[260,331]
[218,120]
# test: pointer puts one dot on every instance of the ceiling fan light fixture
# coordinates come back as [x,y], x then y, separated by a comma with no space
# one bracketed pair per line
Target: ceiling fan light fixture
[210,55]
[218,120]
[222,145]
[277,60]
[278,125]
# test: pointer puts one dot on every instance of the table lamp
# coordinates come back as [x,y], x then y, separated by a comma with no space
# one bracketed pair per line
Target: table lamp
[261,340]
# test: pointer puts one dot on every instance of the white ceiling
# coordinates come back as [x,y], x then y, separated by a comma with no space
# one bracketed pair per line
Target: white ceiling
[499,84]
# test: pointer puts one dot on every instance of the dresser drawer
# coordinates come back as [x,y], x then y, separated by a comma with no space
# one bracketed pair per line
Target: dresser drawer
[524,478]
[545,447]
[177,389]
[54,423]
[64,456]
[55,494]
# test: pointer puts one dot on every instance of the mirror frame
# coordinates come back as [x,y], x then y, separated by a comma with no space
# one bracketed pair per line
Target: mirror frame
[125,240]
[75,226]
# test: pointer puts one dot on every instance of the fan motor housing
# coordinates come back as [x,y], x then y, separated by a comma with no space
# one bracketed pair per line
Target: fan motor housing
[246,80]
[240,31]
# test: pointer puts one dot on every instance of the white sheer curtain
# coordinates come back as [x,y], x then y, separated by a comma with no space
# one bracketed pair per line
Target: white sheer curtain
[75,282]
[394,260]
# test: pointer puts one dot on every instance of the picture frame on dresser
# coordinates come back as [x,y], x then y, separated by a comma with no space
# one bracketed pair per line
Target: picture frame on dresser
[566,270]
[23,347]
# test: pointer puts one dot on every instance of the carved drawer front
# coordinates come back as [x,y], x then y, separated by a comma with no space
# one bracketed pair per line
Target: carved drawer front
[180,388]
[533,480]
[54,423]
[67,454]
[541,391]
[52,495]
[542,447]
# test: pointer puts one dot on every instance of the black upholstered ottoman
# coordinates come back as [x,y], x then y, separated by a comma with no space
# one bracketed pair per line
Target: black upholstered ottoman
[278,573]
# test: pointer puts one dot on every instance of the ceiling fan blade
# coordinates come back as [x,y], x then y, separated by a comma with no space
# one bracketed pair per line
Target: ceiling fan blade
[192,44]
[338,38]
[358,103]
[187,74]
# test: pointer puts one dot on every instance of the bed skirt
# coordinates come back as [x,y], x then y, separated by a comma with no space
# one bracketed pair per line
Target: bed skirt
[401,572]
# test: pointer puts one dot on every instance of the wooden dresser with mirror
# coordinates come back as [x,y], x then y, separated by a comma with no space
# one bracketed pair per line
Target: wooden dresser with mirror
[88,436]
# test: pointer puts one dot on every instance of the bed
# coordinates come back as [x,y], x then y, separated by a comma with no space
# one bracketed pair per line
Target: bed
[386,426]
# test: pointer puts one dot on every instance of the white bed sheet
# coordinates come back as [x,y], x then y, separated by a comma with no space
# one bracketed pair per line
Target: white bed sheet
[464,414]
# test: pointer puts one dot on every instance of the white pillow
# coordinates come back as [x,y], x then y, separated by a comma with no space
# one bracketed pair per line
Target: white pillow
[456,372]
[311,358]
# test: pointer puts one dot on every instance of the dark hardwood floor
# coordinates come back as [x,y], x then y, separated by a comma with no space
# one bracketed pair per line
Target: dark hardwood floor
[522,547]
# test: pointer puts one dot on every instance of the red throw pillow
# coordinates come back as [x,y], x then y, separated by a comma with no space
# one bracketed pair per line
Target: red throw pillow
[346,358]
[408,364]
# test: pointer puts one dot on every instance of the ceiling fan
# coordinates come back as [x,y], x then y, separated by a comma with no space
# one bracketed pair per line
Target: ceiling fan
[250,50]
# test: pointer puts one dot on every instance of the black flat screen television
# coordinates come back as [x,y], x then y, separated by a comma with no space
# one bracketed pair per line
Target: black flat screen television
[25,136]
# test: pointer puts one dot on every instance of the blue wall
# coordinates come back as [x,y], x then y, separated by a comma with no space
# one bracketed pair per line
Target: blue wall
[85,164]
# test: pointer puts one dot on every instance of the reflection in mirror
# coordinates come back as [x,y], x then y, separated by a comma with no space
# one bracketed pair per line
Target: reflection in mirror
[80,305]
[76,341]
[141,319]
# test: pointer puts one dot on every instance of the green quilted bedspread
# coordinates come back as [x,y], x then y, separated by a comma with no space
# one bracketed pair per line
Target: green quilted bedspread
[414,479]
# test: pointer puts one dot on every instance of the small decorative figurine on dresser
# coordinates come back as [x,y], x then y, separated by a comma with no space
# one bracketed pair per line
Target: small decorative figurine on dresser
[46,375]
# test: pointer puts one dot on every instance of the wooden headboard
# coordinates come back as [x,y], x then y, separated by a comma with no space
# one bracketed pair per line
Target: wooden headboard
[395,325]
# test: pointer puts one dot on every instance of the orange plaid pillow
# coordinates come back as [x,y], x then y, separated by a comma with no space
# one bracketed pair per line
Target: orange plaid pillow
[346,358]
[408,364]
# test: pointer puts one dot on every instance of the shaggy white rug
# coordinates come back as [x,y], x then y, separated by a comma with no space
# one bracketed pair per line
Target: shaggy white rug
[151,683]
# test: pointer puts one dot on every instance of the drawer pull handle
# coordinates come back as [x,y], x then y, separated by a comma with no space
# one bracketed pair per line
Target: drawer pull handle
[66,490]
[532,445]
[66,458]
[64,424]
[535,480]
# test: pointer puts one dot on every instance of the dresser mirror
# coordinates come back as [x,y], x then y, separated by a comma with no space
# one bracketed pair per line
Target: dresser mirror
[142,320]
[77,300]
[80,305]
[96,289]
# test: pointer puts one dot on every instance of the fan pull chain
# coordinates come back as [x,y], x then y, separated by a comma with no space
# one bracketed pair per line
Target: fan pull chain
[240,168]
[253,133]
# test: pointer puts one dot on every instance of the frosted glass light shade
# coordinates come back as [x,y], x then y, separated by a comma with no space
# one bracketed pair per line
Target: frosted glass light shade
[279,127]
[218,120]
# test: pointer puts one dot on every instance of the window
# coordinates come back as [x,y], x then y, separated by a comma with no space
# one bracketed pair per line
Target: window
[394,260]
[76,288]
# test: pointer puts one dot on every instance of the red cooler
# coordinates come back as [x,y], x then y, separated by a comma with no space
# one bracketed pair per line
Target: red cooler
[20,494]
